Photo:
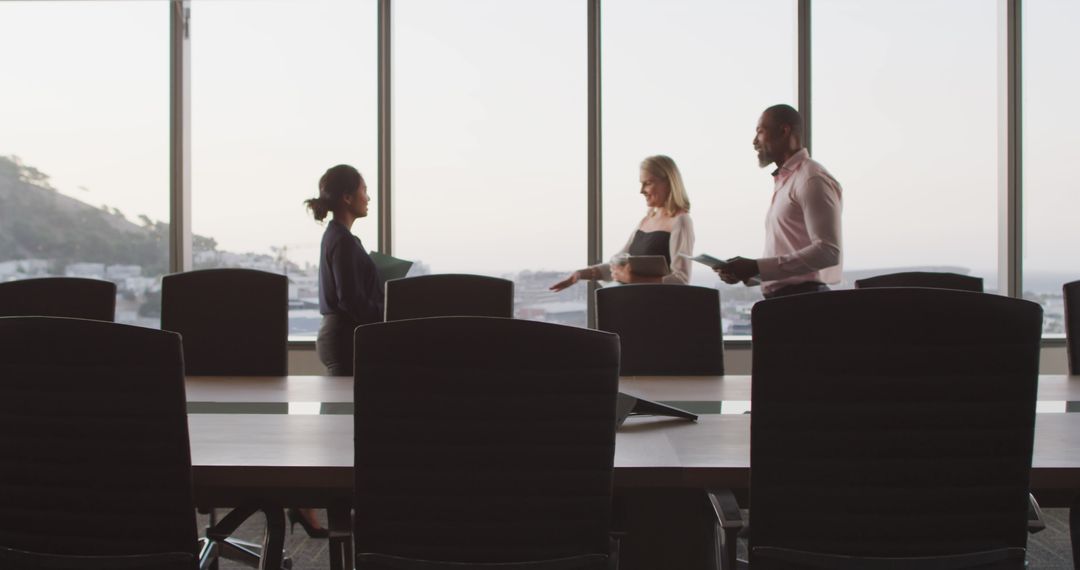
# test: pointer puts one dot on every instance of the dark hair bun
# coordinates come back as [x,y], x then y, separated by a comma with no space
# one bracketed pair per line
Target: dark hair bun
[319,207]
[336,183]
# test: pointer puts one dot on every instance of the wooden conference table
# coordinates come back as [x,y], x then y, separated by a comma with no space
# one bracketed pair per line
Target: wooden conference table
[288,440]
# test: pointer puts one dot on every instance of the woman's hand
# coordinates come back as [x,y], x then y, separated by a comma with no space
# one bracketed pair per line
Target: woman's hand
[621,272]
[574,278]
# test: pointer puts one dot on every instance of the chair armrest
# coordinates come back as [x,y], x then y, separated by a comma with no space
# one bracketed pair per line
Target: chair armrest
[786,557]
[725,508]
[729,523]
[1035,517]
[614,546]
[11,558]
[375,561]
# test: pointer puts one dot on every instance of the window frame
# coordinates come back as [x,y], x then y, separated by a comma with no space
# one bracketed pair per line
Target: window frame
[1010,214]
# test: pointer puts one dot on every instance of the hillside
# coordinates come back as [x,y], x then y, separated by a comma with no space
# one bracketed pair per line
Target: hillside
[36,221]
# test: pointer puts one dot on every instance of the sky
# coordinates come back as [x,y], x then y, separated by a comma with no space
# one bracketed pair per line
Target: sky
[490,114]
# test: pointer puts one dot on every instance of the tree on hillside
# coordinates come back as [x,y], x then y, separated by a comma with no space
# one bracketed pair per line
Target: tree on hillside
[36,221]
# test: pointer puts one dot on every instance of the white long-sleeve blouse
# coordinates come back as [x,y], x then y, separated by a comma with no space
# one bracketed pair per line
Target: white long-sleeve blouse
[681,241]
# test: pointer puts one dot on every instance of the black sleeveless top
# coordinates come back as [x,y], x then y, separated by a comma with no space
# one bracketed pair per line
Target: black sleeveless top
[651,243]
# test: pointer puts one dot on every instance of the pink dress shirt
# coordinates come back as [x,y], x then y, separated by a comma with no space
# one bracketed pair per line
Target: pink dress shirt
[802,228]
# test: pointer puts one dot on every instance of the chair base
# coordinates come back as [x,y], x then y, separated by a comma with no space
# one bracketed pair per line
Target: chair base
[266,556]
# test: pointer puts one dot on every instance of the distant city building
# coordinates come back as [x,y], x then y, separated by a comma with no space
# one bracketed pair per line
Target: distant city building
[120,272]
[23,268]
[87,270]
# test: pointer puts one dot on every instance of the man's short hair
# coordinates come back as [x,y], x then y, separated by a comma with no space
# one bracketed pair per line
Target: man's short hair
[787,115]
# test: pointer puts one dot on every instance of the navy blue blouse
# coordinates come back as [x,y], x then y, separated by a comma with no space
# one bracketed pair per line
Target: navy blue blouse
[349,282]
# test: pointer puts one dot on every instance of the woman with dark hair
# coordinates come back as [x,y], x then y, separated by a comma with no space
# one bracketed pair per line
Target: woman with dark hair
[350,292]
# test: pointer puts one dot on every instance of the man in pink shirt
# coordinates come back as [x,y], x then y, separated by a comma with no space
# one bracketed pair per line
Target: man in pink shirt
[802,228]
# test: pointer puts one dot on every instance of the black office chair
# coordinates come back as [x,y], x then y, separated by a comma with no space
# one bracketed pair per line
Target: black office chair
[954,281]
[1071,292]
[892,428]
[664,329]
[484,441]
[96,466]
[933,280]
[59,297]
[235,322]
[945,281]
[448,295]
[957,282]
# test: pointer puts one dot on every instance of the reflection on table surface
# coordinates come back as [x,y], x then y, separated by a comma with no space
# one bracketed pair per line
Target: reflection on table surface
[706,395]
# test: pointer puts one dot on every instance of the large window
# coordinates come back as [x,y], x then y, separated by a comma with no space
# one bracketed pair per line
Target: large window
[490,144]
[906,116]
[489,134]
[1050,145]
[84,146]
[281,91]
[689,79]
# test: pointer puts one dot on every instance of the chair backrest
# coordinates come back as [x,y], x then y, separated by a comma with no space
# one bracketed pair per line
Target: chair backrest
[933,280]
[94,452]
[483,439]
[73,297]
[1072,324]
[664,329]
[234,322]
[892,422]
[449,295]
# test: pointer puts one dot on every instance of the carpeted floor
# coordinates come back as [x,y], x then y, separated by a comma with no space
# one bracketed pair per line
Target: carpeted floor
[1051,548]
[1047,550]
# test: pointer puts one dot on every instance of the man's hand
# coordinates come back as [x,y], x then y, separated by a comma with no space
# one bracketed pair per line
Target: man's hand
[738,269]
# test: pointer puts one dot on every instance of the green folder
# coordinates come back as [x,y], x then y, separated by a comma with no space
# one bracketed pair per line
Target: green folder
[390,267]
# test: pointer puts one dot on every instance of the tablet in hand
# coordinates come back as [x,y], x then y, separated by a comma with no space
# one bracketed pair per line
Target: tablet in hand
[706,259]
[648,265]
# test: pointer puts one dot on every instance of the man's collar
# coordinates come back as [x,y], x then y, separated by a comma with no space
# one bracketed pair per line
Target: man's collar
[792,163]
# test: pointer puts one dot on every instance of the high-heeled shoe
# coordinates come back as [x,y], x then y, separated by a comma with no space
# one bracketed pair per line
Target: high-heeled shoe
[295,516]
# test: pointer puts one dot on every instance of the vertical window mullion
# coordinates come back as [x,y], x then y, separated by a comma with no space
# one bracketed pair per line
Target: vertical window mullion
[386,126]
[804,83]
[1010,214]
[594,209]
[180,137]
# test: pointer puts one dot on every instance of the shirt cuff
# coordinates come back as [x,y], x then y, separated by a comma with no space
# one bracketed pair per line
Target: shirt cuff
[769,268]
[676,278]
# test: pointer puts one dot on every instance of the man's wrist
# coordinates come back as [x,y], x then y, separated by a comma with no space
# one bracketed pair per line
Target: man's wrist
[768,267]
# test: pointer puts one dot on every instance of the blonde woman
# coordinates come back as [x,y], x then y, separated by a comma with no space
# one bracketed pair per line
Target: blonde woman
[665,230]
